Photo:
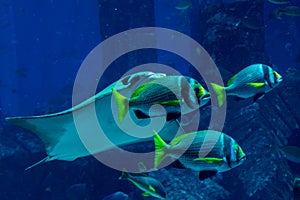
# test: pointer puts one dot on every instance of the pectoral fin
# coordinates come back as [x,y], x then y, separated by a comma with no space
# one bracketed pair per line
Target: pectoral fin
[152,188]
[170,103]
[145,194]
[210,160]
[231,80]
[206,174]
[256,85]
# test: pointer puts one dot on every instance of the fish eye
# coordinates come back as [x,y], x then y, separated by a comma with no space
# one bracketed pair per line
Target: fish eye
[236,147]
[134,79]
[196,89]
[237,151]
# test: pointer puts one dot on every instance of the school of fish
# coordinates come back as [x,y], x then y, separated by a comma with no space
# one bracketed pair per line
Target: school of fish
[178,95]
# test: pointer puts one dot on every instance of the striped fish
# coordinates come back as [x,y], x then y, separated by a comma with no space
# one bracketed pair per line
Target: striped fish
[292,11]
[253,81]
[177,94]
[296,189]
[209,157]
[149,185]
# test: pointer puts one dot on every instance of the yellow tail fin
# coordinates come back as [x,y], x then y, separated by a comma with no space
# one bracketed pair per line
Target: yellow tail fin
[122,103]
[220,91]
[160,144]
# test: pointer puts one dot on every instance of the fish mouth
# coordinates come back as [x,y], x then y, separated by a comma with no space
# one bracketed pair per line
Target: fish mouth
[206,96]
[242,159]
[278,78]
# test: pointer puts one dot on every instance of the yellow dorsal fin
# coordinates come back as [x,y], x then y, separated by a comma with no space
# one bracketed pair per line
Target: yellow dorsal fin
[140,89]
[176,140]
[231,80]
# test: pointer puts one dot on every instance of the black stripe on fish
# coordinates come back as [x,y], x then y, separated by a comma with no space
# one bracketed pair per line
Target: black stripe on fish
[266,71]
[140,115]
[170,116]
[186,84]
[173,116]
[228,161]
[177,164]
[197,91]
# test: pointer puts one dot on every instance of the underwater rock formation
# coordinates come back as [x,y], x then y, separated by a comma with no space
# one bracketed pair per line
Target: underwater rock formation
[184,184]
[233,34]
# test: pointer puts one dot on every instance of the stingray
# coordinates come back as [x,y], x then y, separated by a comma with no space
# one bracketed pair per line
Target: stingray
[59,132]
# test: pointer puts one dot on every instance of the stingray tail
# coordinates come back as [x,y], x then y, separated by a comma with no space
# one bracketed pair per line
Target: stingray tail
[48,128]
[220,91]
[122,103]
[38,163]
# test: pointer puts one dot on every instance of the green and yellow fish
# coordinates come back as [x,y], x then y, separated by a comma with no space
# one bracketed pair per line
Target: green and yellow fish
[222,155]
[293,11]
[253,81]
[183,5]
[296,189]
[279,2]
[149,185]
[177,94]
[291,153]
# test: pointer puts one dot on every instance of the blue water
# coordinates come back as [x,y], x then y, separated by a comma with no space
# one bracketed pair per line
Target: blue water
[43,44]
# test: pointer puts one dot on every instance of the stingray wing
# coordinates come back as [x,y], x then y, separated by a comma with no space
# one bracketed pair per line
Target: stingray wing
[60,133]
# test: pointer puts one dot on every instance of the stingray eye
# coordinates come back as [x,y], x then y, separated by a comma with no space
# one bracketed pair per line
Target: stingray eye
[125,80]
[134,79]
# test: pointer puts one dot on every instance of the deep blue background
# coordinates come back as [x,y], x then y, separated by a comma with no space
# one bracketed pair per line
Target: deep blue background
[43,43]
